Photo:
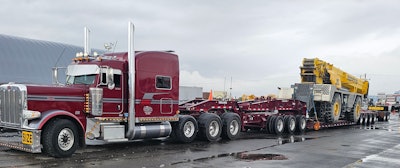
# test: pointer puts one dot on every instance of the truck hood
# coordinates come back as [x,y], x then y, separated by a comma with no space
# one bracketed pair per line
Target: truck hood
[56,91]
[65,98]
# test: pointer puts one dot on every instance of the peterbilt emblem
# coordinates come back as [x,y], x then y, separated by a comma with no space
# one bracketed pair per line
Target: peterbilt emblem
[147,110]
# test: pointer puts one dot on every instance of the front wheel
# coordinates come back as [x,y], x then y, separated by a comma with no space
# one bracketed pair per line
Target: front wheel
[60,138]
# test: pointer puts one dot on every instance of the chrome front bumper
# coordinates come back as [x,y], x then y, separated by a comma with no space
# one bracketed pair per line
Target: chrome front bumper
[13,139]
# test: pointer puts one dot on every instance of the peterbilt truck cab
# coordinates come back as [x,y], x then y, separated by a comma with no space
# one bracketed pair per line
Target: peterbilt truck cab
[92,106]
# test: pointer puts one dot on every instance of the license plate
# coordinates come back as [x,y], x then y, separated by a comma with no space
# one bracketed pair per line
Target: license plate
[27,137]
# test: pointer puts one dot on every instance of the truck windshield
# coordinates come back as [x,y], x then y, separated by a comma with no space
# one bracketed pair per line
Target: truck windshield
[81,79]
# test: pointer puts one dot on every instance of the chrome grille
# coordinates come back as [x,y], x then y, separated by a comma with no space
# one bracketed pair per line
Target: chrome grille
[11,105]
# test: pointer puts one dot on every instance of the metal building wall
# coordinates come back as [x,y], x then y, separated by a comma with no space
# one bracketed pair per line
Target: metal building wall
[31,61]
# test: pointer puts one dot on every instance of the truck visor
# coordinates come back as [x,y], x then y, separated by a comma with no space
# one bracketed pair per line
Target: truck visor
[77,70]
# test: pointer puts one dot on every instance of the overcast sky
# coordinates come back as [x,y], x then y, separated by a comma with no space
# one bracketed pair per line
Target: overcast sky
[260,44]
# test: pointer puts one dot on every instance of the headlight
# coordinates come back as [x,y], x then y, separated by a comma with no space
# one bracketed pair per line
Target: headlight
[29,114]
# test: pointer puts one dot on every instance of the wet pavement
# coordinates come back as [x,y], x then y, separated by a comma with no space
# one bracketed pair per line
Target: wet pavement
[351,146]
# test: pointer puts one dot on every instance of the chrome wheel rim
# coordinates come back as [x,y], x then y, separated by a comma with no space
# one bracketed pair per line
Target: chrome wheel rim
[234,127]
[188,129]
[66,139]
[214,128]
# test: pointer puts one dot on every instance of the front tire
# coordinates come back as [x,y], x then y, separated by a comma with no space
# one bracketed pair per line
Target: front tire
[60,138]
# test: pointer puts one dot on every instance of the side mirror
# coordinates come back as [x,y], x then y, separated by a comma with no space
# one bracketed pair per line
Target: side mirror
[55,74]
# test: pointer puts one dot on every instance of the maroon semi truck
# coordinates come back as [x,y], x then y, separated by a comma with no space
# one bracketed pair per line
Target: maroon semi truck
[116,97]
[120,97]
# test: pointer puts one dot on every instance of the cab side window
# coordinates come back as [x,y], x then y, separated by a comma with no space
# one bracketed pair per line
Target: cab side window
[163,82]
[117,80]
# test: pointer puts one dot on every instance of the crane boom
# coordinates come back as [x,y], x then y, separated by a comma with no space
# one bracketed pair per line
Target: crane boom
[320,72]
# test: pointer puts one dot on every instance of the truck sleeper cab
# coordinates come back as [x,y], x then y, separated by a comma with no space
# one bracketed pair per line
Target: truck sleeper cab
[92,108]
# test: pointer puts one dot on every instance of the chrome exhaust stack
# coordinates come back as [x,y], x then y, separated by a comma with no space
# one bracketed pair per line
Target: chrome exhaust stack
[130,134]
[86,49]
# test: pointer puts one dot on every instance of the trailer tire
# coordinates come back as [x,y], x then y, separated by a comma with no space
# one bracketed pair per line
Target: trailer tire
[231,126]
[363,119]
[60,138]
[369,118]
[290,124]
[373,118]
[267,130]
[271,124]
[210,126]
[279,125]
[387,116]
[301,124]
[185,130]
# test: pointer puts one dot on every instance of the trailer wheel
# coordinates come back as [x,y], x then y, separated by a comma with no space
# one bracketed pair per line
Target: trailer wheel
[60,138]
[290,124]
[387,116]
[185,130]
[271,124]
[231,126]
[210,126]
[373,118]
[279,125]
[267,130]
[301,124]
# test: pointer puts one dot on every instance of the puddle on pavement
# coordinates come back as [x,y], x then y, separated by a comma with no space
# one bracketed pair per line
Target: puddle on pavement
[245,155]
[240,155]
[255,157]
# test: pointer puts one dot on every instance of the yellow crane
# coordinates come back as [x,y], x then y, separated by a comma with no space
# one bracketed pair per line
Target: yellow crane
[333,94]
[320,72]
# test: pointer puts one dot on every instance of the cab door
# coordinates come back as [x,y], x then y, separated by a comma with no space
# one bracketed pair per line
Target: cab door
[111,81]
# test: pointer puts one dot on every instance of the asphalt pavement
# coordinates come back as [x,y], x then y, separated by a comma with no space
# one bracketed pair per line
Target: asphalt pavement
[351,146]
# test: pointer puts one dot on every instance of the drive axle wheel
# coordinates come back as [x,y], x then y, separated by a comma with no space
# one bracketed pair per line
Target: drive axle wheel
[60,138]
[185,130]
